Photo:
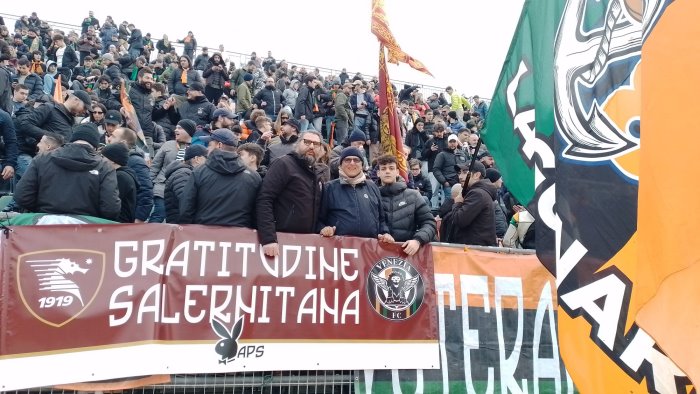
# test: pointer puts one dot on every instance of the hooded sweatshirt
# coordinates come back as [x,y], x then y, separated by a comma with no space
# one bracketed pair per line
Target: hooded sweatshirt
[71,180]
[221,192]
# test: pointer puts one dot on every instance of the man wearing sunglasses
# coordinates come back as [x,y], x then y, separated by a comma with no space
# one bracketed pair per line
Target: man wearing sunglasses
[290,196]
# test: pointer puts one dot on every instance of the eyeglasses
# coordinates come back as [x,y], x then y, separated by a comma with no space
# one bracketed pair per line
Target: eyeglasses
[316,144]
[352,160]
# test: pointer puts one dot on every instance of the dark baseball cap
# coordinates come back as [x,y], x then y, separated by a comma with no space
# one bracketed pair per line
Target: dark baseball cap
[224,112]
[225,136]
[84,97]
[113,117]
[196,86]
[294,123]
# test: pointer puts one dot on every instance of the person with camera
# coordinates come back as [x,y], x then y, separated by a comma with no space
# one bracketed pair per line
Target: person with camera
[81,74]
[216,75]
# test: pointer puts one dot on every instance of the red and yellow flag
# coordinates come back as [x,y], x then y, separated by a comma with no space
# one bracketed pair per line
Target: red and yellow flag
[58,91]
[380,28]
[130,113]
[389,126]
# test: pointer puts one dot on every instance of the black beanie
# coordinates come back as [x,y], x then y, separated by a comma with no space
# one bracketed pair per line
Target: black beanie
[117,152]
[189,126]
[86,132]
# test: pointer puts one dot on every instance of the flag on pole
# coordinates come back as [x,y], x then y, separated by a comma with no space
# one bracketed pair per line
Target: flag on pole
[389,127]
[565,129]
[131,114]
[58,91]
[380,28]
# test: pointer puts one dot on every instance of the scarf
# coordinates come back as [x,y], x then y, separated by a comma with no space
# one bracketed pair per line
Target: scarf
[183,76]
[35,45]
[37,67]
[345,180]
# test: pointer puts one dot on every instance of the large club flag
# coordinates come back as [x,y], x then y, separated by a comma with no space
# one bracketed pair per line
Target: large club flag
[389,126]
[565,128]
[58,91]
[380,28]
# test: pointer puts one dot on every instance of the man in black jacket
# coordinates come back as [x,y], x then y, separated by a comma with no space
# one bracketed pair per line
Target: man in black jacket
[432,147]
[136,161]
[223,191]
[304,108]
[65,57]
[197,108]
[118,156]
[407,214]
[269,99]
[140,95]
[473,220]
[177,174]
[444,168]
[71,180]
[290,196]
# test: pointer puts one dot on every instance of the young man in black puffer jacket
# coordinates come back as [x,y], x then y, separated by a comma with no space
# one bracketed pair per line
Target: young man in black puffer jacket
[407,213]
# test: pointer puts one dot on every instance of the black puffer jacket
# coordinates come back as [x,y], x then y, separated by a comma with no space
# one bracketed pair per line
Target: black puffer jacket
[143,104]
[407,214]
[35,85]
[31,126]
[215,79]
[444,166]
[71,180]
[144,186]
[273,100]
[429,154]
[473,221]
[177,174]
[126,180]
[290,198]
[199,110]
[221,192]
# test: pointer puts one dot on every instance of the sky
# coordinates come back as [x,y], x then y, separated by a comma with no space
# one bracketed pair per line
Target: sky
[462,42]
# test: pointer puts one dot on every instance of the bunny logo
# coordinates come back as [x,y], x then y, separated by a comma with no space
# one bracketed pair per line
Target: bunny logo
[56,286]
[227,347]
[395,289]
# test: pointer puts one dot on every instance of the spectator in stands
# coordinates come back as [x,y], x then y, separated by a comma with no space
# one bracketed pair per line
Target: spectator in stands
[201,61]
[352,205]
[457,102]
[344,116]
[88,44]
[357,140]
[109,36]
[48,117]
[140,95]
[118,156]
[71,180]
[189,44]
[113,119]
[81,74]
[445,162]
[222,119]
[97,117]
[34,43]
[49,142]
[473,221]
[306,102]
[408,215]
[197,108]
[284,143]
[5,84]
[33,82]
[421,183]
[436,144]
[238,76]
[19,98]
[20,47]
[65,57]
[416,139]
[269,99]
[173,150]
[494,176]
[480,107]
[252,155]
[49,80]
[290,197]
[222,191]
[177,175]
[135,43]
[90,21]
[163,45]
[291,94]
[216,76]
[244,96]
[183,76]
[136,161]
[362,104]
[10,149]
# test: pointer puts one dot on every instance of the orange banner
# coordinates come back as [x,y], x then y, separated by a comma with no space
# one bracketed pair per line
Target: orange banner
[58,91]
[380,28]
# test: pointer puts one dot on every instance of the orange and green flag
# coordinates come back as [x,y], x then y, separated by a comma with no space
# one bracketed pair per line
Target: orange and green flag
[565,127]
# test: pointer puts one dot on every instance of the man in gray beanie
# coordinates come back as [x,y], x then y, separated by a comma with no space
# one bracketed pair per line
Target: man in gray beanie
[72,179]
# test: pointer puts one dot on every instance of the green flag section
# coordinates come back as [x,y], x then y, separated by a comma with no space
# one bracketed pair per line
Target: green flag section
[33,219]
[521,117]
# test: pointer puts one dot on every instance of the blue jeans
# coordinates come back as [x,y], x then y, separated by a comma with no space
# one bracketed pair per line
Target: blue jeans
[158,213]
[23,161]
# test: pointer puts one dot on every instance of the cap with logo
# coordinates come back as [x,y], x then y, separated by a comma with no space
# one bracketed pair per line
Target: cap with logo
[225,136]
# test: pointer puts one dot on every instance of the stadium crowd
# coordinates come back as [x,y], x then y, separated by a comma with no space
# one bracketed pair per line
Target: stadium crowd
[265,145]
